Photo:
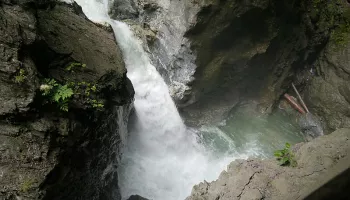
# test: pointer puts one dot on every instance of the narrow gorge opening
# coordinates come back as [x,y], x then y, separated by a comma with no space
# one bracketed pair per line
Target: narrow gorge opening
[163,158]
[173,100]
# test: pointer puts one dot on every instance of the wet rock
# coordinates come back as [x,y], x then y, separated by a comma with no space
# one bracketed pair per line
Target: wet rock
[311,126]
[68,154]
[17,26]
[136,197]
[165,23]
[237,57]
[328,94]
[121,9]
[265,179]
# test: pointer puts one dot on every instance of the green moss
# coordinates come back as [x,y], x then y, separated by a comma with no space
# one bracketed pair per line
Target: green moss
[332,17]
[21,76]
[340,36]
[71,67]
[27,185]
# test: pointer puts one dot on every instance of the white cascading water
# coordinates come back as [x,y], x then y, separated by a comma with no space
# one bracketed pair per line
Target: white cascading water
[163,159]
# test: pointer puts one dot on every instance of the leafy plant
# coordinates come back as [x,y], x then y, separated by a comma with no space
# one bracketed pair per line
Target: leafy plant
[21,76]
[285,156]
[87,92]
[98,104]
[74,65]
[57,93]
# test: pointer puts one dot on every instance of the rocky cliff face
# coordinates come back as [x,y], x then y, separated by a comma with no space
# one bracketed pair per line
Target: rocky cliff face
[45,152]
[162,25]
[328,94]
[254,50]
[220,53]
[257,179]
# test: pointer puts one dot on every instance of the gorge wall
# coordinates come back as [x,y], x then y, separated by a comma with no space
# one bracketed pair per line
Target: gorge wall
[210,52]
[45,152]
[221,53]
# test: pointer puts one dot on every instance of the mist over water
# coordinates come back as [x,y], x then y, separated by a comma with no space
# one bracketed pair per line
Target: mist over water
[164,158]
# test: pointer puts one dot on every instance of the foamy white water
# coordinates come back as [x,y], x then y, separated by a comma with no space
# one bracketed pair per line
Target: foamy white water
[163,159]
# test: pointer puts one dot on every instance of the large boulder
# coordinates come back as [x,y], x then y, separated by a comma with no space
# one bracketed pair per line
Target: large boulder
[264,179]
[46,153]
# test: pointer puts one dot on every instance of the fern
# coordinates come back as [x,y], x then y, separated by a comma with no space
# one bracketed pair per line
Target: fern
[57,93]
[62,93]
[63,105]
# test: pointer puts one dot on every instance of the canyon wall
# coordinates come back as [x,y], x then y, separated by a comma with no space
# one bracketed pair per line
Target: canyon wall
[46,151]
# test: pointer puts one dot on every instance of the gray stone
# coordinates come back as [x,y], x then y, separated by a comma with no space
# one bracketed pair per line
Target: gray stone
[328,94]
[265,179]
[46,153]
[121,9]
[136,197]
[17,26]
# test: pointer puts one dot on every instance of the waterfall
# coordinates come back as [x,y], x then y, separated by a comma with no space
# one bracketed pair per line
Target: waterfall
[164,158]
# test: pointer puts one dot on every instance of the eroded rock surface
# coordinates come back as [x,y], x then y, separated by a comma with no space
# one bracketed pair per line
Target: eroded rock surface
[221,53]
[264,179]
[46,153]
[254,50]
[328,94]
[161,25]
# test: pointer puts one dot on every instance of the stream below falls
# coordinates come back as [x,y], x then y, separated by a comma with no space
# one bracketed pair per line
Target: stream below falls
[163,158]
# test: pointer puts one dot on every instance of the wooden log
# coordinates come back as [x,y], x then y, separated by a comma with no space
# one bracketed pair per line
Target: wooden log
[294,104]
[300,99]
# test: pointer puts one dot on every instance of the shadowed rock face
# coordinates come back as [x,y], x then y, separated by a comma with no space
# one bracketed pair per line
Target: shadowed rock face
[248,51]
[328,94]
[46,153]
[215,54]
[256,179]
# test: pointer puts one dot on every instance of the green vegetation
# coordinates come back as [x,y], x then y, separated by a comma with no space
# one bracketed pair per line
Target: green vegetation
[84,93]
[285,156]
[333,16]
[98,104]
[27,184]
[60,94]
[21,76]
[74,65]
[87,93]
[340,35]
